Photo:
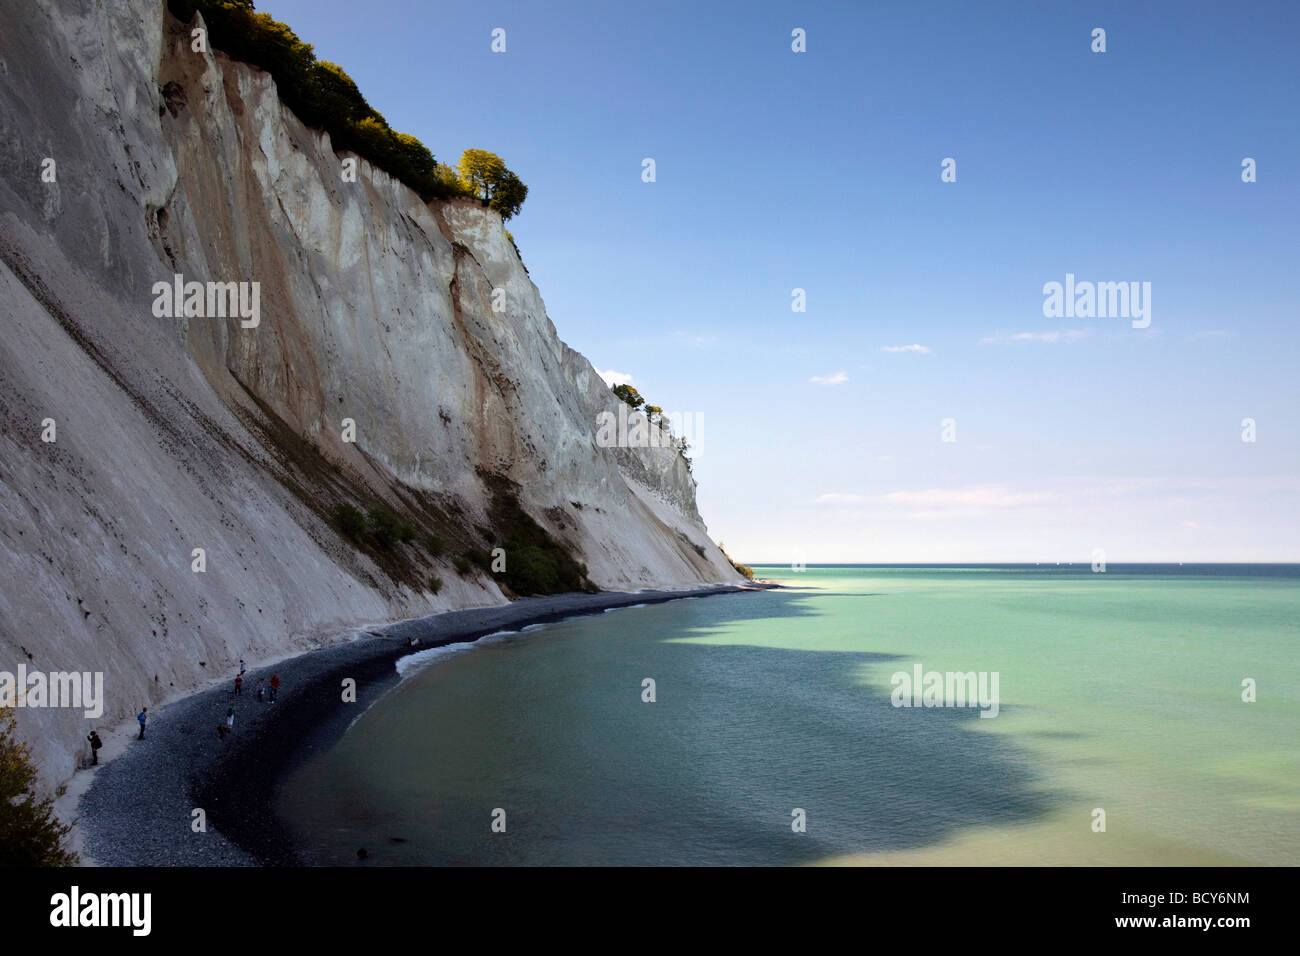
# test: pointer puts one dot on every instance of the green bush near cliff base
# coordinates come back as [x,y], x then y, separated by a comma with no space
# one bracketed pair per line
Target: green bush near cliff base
[30,833]
[463,564]
[744,569]
[435,584]
[535,562]
[435,544]
[531,570]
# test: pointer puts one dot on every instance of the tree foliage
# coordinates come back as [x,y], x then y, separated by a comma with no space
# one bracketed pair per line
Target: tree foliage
[480,171]
[488,179]
[509,196]
[30,833]
[683,446]
[629,394]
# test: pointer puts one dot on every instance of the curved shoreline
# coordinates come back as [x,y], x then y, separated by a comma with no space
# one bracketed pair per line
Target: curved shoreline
[140,808]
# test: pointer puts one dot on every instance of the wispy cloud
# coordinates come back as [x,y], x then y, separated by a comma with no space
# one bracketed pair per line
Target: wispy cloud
[613,378]
[906,348]
[1056,335]
[983,496]
[936,503]
[1209,334]
[693,339]
[834,378]
[1062,494]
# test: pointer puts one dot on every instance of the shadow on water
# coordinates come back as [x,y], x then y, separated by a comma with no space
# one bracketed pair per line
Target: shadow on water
[872,777]
[739,736]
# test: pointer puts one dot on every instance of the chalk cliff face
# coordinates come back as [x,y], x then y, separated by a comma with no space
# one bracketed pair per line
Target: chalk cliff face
[173,434]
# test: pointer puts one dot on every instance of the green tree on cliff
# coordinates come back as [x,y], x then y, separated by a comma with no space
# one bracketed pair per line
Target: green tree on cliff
[509,196]
[30,833]
[487,178]
[629,394]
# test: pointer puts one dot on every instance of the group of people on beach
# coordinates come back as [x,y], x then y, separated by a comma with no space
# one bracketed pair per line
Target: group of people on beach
[262,695]
[264,691]
[96,743]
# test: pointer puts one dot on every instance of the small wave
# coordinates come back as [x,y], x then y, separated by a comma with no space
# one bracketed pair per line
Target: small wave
[421,659]
[624,607]
[411,663]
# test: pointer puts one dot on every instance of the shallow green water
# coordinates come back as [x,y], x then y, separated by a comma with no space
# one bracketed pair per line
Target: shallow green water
[1120,691]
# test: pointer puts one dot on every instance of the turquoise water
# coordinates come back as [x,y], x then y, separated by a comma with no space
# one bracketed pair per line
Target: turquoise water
[1119,691]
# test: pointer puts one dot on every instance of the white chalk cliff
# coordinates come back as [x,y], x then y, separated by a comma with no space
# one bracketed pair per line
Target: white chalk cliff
[180,433]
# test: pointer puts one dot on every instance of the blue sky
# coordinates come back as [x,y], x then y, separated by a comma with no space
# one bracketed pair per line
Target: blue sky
[821,171]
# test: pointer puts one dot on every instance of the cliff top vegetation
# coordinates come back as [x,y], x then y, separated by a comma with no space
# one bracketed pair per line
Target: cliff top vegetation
[325,97]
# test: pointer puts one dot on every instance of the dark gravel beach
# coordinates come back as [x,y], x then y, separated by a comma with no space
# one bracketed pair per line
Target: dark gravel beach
[139,810]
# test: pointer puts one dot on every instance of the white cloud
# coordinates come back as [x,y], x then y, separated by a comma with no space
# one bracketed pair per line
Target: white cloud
[1058,335]
[834,378]
[838,499]
[986,496]
[1209,334]
[613,378]
[906,348]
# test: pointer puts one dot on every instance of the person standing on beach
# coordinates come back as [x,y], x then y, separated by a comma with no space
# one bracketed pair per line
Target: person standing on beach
[95,744]
[239,683]
[261,692]
[230,718]
[242,667]
[275,686]
[142,717]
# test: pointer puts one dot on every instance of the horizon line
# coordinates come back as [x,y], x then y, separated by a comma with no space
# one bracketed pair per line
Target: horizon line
[952,564]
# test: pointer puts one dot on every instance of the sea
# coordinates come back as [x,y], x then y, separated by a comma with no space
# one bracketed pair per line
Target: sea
[1140,715]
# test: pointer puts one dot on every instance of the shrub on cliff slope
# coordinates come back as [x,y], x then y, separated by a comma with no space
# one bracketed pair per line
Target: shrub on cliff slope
[744,569]
[350,520]
[30,833]
[385,527]
[535,562]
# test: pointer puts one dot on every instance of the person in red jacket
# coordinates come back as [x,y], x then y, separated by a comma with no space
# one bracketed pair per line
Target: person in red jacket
[275,686]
